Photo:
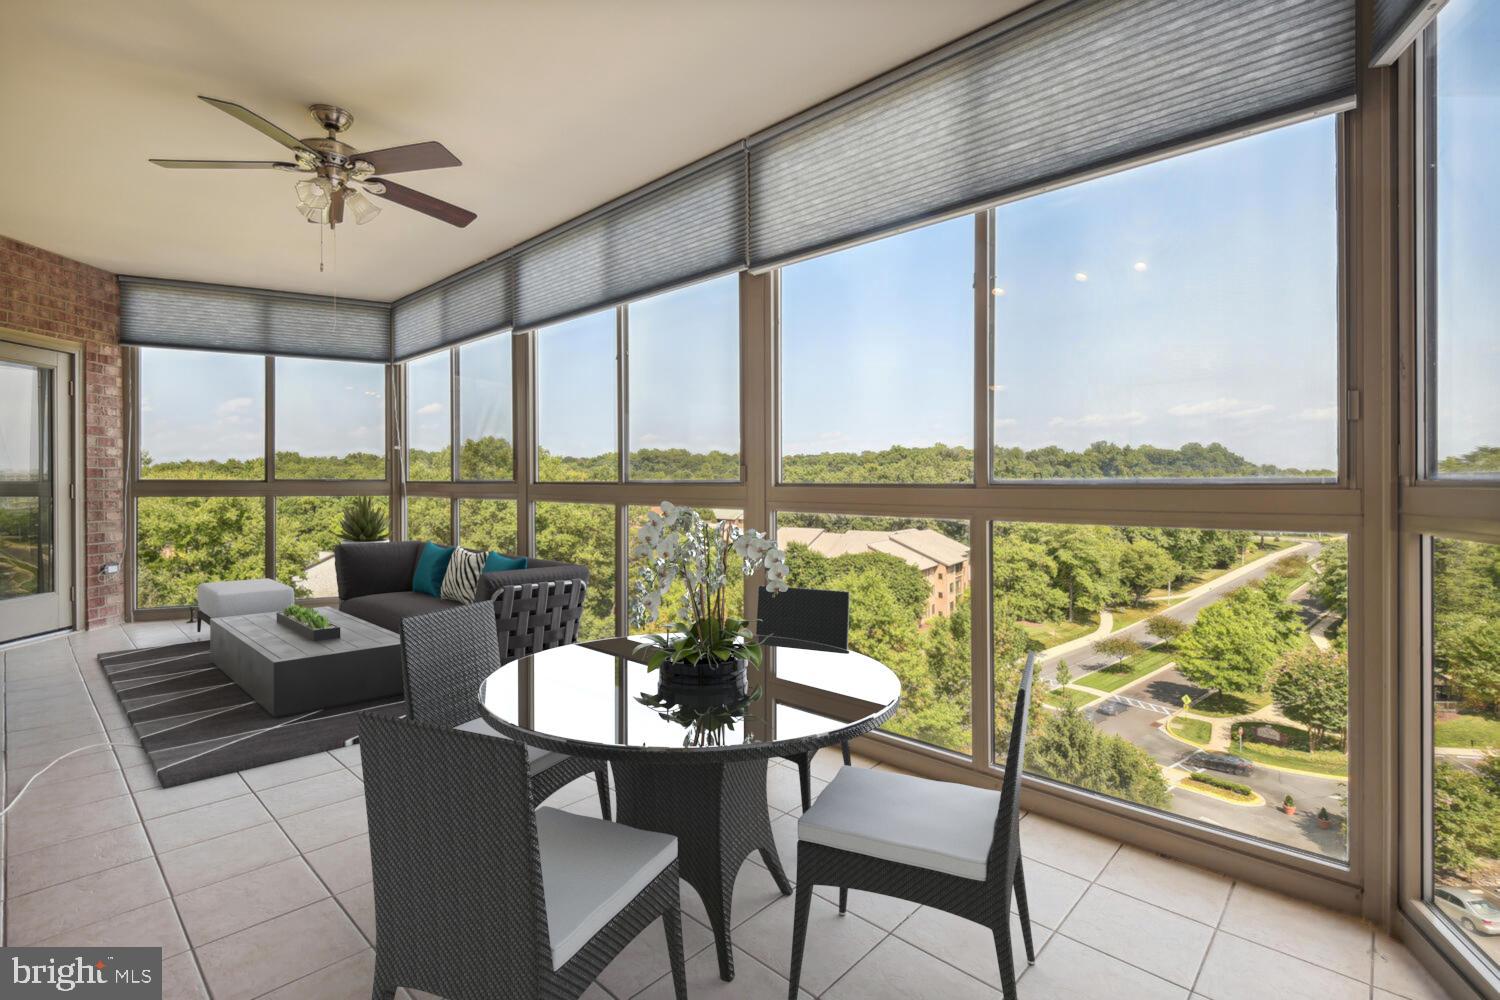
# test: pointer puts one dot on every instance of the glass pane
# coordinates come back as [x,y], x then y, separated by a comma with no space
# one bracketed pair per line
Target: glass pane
[1466,737]
[1177,320]
[685,383]
[429,519]
[673,606]
[575,400]
[485,413]
[26,484]
[583,533]
[1466,250]
[307,529]
[429,428]
[908,583]
[184,541]
[330,419]
[855,407]
[1191,670]
[203,415]
[488,525]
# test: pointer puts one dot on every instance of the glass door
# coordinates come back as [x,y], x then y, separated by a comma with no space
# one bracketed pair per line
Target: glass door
[36,490]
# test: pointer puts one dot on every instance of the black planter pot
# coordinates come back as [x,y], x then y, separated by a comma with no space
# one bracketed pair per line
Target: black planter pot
[706,682]
[306,631]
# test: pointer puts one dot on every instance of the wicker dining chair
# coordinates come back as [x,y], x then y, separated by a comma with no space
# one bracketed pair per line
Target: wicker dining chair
[447,655]
[801,618]
[949,846]
[477,895]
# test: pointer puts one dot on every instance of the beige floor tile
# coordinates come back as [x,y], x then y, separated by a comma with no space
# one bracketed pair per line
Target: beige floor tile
[885,912]
[327,824]
[157,802]
[205,822]
[141,777]
[31,824]
[644,960]
[1237,969]
[49,912]
[359,903]
[347,980]
[967,945]
[1050,893]
[310,793]
[1309,932]
[269,955]
[151,926]
[827,761]
[896,970]
[78,724]
[784,789]
[348,756]
[343,865]
[282,772]
[1067,970]
[218,910]
[1396,971]
[834,943]
[752,980]
[83,765]
[32,870]
[1169,884]
[210,861]
[784,830]
[105,783]
[180,979]
[754,890]
[1162,943]
[1068,848]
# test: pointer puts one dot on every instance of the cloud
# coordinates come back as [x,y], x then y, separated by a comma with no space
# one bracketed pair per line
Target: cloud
[1318,413]
[1005,422]
[429,409]
[1223,406]
[1096,421]
[234,407]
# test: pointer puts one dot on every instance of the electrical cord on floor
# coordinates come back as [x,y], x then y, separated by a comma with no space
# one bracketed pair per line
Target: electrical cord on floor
[91,746]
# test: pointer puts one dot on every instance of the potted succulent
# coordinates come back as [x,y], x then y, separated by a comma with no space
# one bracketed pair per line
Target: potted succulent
[706,644]
[1324,820]
[307,623]
[1288,806]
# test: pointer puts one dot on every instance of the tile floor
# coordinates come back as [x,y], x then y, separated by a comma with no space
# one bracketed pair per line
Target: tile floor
[258,884]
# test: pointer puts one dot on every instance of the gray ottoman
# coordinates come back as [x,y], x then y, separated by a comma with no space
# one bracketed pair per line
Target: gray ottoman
[240,597]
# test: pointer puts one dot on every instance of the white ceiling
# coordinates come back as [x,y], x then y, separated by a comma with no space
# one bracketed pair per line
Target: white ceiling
[553,107]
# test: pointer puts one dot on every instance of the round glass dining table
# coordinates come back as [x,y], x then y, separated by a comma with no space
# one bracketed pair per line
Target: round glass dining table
[686,760]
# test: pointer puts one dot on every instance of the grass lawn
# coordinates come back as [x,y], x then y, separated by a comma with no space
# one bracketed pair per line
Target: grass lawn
[1334,763]
[1466,731]
[1126,617]
[1067,698]
[1128,670]
[1230,704]
[1193,730]
[1051,634]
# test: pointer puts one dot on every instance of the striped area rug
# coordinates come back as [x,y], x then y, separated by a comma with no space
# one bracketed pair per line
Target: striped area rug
[194,722]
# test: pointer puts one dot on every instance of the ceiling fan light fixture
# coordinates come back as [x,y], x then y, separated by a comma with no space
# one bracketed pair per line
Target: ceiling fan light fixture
[313,192]
[317,216]
[363,208]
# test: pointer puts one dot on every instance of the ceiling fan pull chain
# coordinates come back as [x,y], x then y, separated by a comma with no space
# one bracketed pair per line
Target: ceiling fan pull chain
[320,249]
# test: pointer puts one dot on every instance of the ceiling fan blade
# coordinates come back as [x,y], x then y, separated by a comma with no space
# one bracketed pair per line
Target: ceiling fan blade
[336,206]
[226,164]
[417,156]
[424,203]
[258,123]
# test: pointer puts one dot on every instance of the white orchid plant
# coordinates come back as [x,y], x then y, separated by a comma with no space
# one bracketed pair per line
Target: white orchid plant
[677,544]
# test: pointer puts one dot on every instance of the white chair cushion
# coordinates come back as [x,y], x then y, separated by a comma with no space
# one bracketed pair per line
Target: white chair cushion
[937,825]
[243,597]
[591,870]
[537,759]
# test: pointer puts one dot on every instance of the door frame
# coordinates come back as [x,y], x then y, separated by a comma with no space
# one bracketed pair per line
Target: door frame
[76,389]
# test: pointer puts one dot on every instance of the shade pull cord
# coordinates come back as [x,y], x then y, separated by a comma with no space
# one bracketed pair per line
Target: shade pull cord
[29,781]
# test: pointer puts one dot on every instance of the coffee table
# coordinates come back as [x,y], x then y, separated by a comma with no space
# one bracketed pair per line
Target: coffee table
[288,674]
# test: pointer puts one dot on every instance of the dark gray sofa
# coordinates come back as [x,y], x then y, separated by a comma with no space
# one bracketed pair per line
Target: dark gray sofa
[374,581]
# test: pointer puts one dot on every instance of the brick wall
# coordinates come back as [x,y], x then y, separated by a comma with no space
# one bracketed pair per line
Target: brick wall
[43,293]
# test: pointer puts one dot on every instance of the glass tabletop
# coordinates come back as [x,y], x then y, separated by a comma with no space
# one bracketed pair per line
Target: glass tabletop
[598,699]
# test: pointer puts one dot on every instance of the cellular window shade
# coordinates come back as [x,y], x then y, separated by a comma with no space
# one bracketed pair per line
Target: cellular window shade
[477,301]
[1049,94]
[1397,24]
[157,313]
[687,226]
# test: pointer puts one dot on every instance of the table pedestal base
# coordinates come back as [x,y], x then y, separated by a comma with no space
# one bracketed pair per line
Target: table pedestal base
[718,814]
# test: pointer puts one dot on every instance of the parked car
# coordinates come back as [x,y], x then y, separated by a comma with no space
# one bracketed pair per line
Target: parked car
[1111,707]
[1468,908]
[1226,762]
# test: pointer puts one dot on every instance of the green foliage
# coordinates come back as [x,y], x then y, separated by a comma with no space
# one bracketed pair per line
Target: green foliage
[488,525]
[1465,816]
[305,615]
[1224,784]
[429,466]
[1331,586]
[364,521]
[1068,748]
[1466,620]
[700,640]
[1064,675]
[429,519]
[1236,641]
[1311,686]
[1103,460]
[583,533]
[1482,460]
[486,458]
[1026,575]
[1166,628]
[1145,566]
[668,464]
[1118,646]
[185,541]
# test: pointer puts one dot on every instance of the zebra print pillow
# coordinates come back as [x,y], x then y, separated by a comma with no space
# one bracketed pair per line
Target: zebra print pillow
[462,576]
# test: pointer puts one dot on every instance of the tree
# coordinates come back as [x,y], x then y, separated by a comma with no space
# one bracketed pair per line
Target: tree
[1465,816]
[1311,686]
[1118,646]
[1331,586]
[1064,675]
[1144,566]
[1471,662]
[1234,643]
[1165,627]
[1068,748]
[1024,575]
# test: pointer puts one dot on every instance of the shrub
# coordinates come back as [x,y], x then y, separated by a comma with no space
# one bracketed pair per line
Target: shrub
[1223,784]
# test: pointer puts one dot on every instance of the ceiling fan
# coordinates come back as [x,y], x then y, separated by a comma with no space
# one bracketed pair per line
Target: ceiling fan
[341,175]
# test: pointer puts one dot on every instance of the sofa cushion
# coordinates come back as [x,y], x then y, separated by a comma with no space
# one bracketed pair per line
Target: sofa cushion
[374,567]
[463,573]
[427,578]
[388,610]
[498,562]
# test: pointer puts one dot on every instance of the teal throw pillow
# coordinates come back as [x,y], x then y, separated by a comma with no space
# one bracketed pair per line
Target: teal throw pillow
[497,563]
[431,565]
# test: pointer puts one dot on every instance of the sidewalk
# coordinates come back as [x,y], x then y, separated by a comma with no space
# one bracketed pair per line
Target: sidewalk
[1106,625]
